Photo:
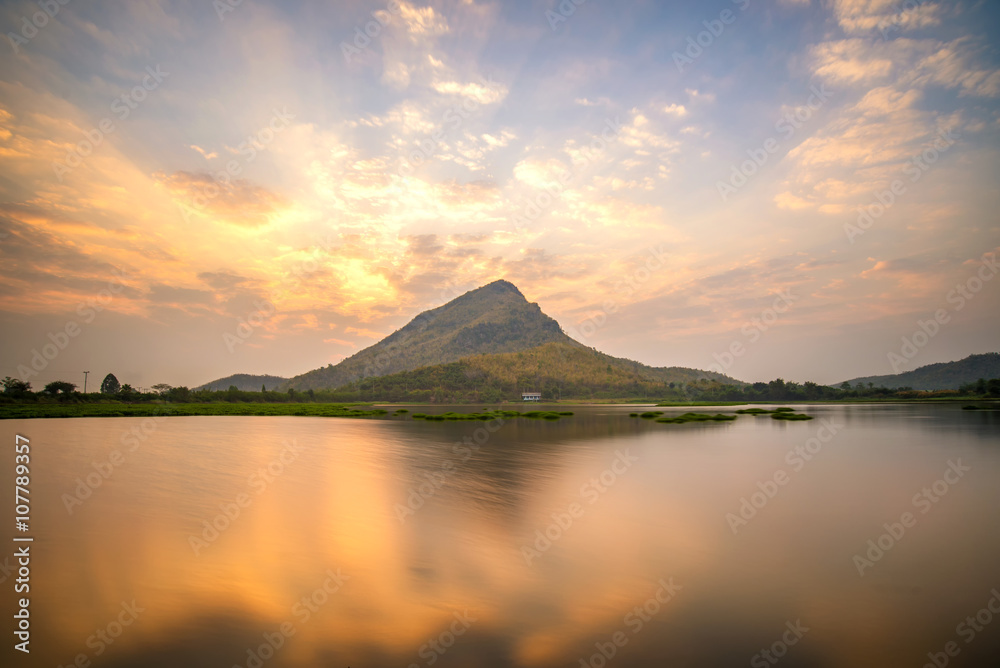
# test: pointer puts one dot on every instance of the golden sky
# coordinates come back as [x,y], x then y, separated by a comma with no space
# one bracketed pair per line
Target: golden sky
[661,170]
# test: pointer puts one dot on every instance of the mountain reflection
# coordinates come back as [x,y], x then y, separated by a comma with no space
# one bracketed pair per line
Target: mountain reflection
[367,549]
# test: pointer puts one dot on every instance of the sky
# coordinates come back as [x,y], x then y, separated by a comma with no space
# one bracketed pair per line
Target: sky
[792,188]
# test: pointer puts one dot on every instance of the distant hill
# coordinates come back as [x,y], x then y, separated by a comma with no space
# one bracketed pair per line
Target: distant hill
[557,369]
[941,376]
[491,336]
[244,381]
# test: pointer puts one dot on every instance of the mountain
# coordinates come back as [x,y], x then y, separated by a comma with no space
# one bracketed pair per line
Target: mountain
[558,370]
[941,376]
[495,318]
[244,381]
[488,339]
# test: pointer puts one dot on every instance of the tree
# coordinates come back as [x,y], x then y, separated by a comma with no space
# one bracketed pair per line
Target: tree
[263,389]
[127,393]
[110,384]
[162,388]
[15,386]
[59,387]
[179,394]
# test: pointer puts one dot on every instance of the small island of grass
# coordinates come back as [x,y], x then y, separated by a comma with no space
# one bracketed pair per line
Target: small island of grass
[491,415]
[696,417]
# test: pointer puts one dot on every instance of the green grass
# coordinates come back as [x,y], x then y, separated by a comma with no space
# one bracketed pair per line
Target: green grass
[696,417]
[26,411]
[783,413]
[790,416]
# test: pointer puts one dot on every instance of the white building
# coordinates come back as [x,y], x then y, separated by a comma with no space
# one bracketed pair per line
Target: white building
[531,396]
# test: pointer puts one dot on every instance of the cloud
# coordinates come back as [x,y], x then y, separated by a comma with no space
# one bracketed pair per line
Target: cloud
[204,154]
[237,202]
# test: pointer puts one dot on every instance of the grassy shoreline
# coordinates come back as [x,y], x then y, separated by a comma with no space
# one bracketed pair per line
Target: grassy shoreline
[32,411]
[24,411]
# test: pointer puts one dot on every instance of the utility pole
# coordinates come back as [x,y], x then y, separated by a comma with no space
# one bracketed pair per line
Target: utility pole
[85,381]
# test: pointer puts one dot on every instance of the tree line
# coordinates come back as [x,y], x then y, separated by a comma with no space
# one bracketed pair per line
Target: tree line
[459,383]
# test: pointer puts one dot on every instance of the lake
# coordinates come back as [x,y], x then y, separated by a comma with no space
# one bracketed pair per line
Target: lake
[869,536]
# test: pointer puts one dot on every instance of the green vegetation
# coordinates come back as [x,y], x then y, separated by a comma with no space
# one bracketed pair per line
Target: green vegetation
[24,411]
[790,416]
[696,417]
[967,375]
[559,371]
[717,394]
[783,413]
[490,415]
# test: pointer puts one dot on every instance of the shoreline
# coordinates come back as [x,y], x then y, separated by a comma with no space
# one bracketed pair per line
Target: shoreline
[372,410]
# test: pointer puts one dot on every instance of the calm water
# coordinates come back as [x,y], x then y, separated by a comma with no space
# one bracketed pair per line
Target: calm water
[398,543]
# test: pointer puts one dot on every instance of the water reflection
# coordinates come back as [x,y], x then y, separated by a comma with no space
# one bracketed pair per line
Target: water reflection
[397,542]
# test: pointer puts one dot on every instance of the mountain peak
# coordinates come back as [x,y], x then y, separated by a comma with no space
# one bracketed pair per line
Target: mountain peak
[502,285]
[499,287]
[494,318]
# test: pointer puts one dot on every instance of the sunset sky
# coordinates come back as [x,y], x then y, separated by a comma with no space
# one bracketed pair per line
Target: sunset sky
[170,169]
